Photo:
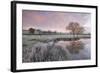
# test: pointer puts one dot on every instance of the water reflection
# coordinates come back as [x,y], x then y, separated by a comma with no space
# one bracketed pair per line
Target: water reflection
[77,49]
[75,46]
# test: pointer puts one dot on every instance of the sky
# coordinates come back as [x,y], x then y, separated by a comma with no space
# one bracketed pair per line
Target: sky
[54,20]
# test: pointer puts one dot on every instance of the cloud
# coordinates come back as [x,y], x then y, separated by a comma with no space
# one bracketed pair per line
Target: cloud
[55,21]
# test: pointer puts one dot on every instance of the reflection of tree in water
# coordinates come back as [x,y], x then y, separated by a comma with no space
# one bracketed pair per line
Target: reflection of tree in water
[75,46]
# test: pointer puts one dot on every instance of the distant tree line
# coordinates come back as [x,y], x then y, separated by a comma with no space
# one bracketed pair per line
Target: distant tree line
[74,27]
[37,31]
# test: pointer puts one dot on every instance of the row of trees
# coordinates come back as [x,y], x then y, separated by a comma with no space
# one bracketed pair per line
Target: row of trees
[32,30]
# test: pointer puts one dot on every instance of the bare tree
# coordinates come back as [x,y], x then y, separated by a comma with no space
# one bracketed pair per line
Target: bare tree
[75,28]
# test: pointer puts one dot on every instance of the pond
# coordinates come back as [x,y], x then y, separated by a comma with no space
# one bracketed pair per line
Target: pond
[77,50]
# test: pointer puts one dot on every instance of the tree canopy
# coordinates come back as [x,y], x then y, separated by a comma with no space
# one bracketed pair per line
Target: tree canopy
[31,30]
[75,28]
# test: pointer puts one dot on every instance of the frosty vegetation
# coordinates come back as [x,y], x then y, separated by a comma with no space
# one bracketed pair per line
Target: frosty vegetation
[44,52]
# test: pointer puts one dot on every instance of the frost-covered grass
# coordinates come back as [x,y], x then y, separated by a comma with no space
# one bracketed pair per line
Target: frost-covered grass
[50,37]
[41,52]
[39,48]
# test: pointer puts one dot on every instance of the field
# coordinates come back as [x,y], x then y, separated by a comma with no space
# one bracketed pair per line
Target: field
[41,48]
